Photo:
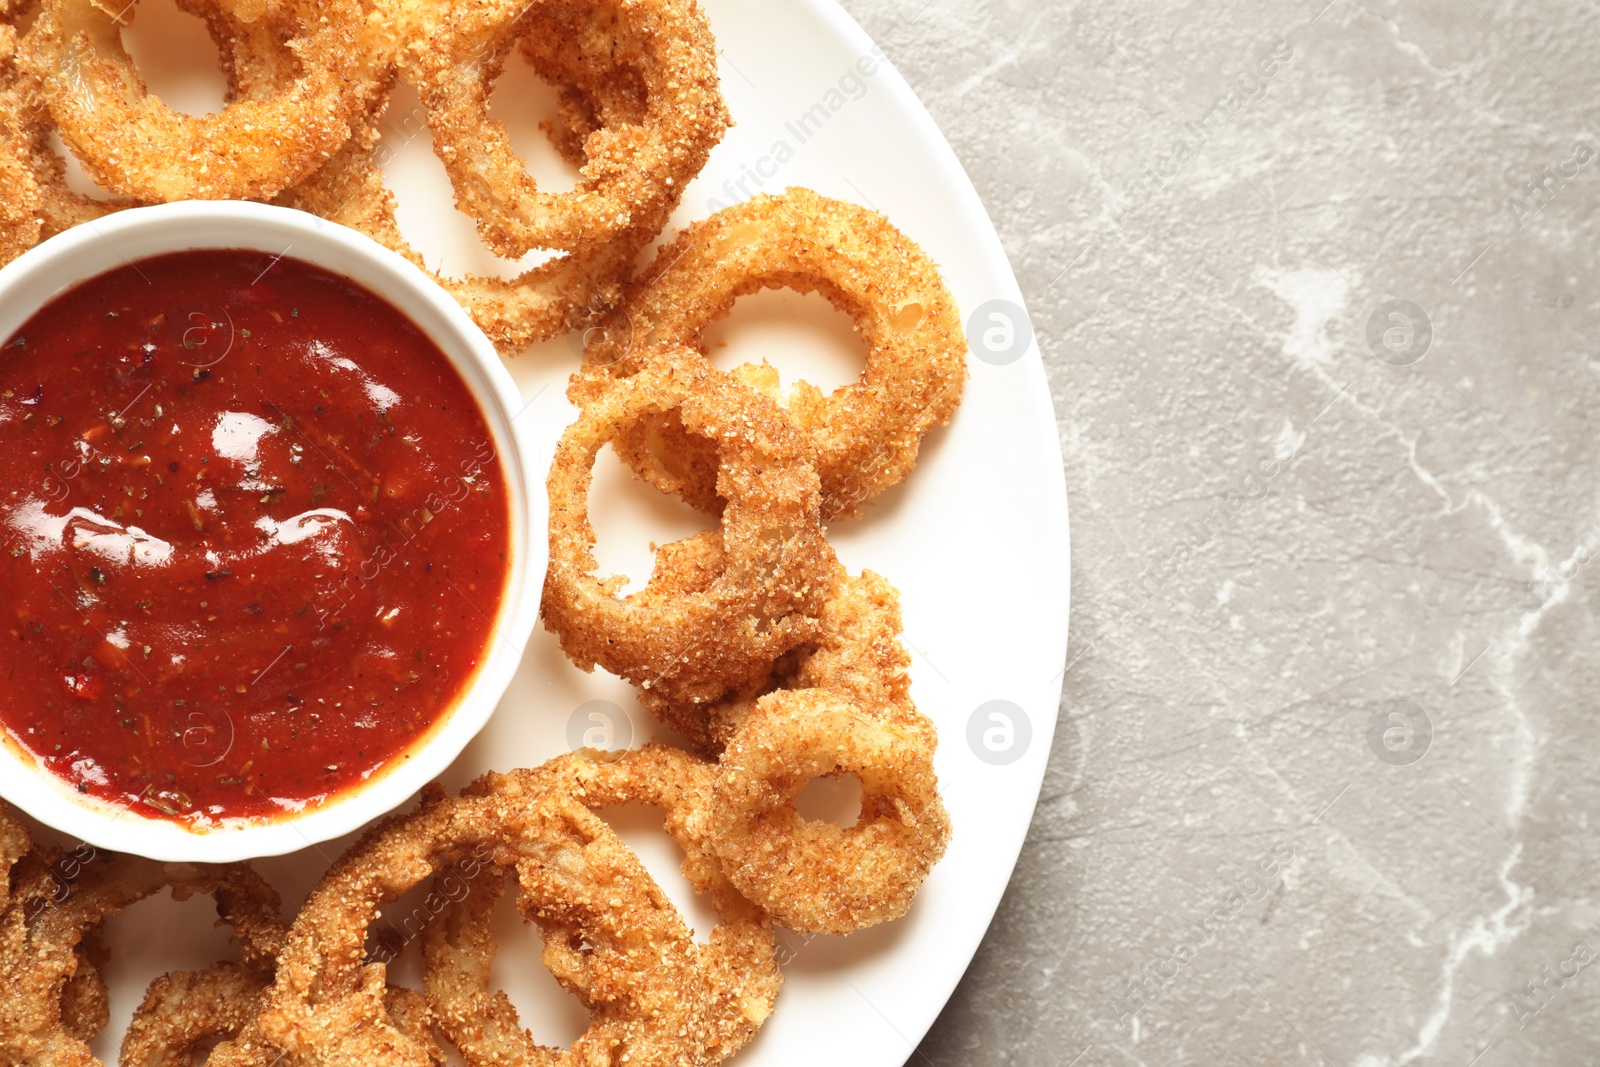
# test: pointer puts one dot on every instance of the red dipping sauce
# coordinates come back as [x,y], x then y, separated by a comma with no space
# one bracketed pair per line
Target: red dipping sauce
[254,536]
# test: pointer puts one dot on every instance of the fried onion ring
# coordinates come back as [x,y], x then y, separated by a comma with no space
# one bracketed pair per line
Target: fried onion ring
[184,1012]
[598,89]
[766,597]
[741,956]
[61,208]
[857,653]
[610,934]
[563,294]
[42,950]
[593,89]
[633,174]
[85,1001]
[44,178]
[133,144]
[14,844]
[816,877]
[862,437]
[252,60]
[740,960]
[20,221]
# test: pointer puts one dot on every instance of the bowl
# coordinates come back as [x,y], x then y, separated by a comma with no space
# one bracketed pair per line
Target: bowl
[84,252]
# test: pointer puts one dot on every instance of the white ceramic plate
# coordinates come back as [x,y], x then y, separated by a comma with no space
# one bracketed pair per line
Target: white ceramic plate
[976,539]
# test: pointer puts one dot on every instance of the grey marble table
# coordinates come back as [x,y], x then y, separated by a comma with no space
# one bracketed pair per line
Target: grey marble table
[1315,287]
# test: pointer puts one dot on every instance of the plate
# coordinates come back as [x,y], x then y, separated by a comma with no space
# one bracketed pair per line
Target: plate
[975,539]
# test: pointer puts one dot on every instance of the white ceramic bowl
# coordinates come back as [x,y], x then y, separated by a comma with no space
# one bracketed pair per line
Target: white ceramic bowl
[82,253]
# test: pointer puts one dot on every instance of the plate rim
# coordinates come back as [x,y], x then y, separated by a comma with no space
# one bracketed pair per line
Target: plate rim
[1035,409]
[954,175]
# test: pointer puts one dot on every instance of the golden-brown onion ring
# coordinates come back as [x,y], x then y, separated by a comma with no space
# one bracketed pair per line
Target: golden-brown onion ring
[856,653]
[739,961]
[817,877]
[85,1001]
[133,144]
[594,89]
[185,1013]
[20,205]
[60,207]
[40,950]
[610,934]
[14,844]
[740,958]
[255,64]
[862,437]
[634,173]
[765,599]
[560,295]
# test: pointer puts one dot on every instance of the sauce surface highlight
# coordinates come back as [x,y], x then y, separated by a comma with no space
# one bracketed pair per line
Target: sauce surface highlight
[253,536]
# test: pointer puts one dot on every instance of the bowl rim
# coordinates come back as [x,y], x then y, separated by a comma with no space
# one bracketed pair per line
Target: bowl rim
[46,271]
